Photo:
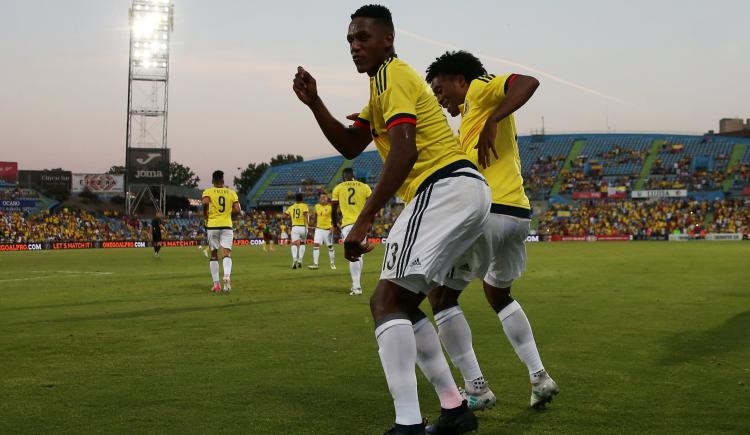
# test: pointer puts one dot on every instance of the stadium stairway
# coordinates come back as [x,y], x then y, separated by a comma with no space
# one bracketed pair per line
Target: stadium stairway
[260,187]
[737,152]
[575,151]
[653,153]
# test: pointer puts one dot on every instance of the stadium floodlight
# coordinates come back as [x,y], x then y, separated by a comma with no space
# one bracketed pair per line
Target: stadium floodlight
[151,24]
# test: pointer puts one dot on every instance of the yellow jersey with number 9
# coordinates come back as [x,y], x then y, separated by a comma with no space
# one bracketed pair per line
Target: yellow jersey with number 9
[220,202]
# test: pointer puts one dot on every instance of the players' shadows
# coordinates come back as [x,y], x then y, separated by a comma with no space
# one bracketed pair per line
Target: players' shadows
[688,346]
[66,305]
[151,312]
[522,422]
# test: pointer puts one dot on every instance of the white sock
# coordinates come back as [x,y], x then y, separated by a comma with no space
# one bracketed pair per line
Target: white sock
[214,266]
[518,330]
[432,362]
[331,254]
[355,268]
[398,354]
[456,337]
[301,252]
[294,252]
[316,255]
[227,267]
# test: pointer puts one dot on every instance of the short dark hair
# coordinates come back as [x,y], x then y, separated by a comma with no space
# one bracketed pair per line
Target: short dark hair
[217,176]
[299,197]
[348,171]
[379,13]
[456,63]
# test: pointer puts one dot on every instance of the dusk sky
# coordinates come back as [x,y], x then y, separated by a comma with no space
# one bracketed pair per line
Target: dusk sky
[635,66]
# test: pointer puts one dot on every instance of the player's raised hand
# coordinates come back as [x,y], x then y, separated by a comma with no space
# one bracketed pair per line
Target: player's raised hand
[486,144]
[304,86]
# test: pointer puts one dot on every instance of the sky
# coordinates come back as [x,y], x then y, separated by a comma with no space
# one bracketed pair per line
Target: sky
[637,66]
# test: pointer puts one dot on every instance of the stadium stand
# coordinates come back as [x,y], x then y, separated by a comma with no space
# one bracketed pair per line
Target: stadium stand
[541,161]
[693,163]
[368,166]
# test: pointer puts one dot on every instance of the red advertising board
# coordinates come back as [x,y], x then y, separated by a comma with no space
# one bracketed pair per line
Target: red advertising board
[602,238]
[746,191]
[618,238]
[9,172]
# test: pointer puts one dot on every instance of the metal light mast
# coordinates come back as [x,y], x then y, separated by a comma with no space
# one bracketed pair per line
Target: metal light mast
[146,152]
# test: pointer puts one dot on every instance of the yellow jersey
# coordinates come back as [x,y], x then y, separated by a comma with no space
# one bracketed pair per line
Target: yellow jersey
[298,212]
[220,202]
[504,174]
[323,216]
[398,95]
[351,196]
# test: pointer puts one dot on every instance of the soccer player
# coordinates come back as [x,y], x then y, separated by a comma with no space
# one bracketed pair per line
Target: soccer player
[220,203]
[440,230]
[323,212]
[267,236]
[156,227]
[284,236]
[299,215]
[486,104]
[350,196]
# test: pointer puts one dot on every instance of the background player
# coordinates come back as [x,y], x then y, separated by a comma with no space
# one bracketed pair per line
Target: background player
[441,227]
[350,196]
[486,104]
[299,215]
[323,233]
[156,227]
[268,236]
[220,203]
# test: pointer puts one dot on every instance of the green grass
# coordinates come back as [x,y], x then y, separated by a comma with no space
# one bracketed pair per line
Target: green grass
[642,338]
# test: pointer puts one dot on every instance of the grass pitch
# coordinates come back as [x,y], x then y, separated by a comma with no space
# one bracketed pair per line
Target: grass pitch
[641,337]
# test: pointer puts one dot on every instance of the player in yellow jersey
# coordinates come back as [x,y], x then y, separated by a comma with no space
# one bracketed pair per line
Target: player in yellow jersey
[220,203]
[437,241]
[299,214]
[487,134]
[323,234]
[350,196]
[284,235]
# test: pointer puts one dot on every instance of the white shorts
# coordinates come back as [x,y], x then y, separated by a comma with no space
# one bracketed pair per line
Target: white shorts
[323,236]
[507,236]
[439,238]
[345,231]
[299,233]
[220,238]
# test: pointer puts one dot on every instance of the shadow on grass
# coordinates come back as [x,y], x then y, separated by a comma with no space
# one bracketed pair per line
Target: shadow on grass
[521,422]
[688,346]
[151,312]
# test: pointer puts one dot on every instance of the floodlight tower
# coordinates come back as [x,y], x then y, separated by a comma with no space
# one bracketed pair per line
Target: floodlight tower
[146,152]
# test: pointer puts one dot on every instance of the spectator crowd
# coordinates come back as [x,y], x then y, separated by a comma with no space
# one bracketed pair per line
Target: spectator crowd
[66,225]
[646,219]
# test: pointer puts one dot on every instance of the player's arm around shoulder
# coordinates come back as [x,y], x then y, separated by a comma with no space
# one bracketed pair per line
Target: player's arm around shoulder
[507,94]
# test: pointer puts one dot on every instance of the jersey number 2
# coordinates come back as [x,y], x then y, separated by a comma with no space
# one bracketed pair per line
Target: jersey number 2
[351,196]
